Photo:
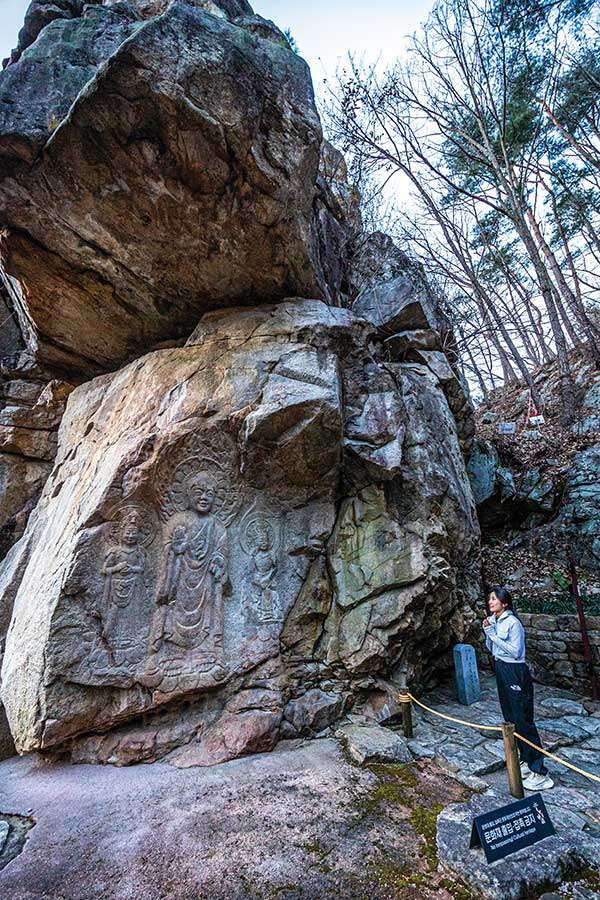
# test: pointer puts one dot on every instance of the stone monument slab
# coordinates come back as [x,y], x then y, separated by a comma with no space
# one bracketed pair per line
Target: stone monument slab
[467,676]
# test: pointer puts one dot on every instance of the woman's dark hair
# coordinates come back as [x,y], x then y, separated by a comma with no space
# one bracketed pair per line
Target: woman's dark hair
[504,597]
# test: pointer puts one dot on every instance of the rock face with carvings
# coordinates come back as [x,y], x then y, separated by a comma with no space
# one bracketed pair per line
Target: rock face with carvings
[261,521]
[274,507]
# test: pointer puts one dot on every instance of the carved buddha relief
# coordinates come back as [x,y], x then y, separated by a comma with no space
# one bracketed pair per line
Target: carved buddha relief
[189,598]
[186,649]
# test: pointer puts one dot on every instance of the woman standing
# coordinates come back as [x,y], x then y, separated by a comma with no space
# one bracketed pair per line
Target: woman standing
[505,637]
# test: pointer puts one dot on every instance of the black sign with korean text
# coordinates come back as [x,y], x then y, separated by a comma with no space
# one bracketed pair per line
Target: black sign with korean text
[510,828]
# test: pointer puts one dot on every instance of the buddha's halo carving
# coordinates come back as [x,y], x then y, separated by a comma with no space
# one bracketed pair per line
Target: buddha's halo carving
[173,487]
[260,539]
[128,515]
[198,498]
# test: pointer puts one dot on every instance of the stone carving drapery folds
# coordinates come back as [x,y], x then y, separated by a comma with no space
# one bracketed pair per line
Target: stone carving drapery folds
[222,529]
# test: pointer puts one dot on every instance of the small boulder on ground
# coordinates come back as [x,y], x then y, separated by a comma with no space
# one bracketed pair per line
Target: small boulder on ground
[373,743]
[562,706]
[313,711]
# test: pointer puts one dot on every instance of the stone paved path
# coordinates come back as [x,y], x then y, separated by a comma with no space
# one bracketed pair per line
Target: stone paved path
[570,728]
[567,728]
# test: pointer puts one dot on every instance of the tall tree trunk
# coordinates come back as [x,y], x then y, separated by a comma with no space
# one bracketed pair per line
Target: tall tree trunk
[489,361]
[516,356]
[574,305]
[566,320]
[512,282]
[589,329]
[520,325]
[508,373]
[591,158]
[474,367]
[546,288]
[538,328]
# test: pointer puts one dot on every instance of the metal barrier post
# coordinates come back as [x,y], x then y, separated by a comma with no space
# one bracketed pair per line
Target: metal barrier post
[515,782]
[585,640]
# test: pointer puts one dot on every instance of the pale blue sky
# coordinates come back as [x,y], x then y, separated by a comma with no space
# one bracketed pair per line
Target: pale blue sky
[324,29]
[327,29]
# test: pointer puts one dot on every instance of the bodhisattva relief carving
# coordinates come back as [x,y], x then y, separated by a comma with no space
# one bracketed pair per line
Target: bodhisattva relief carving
[261,540]
[161,613]
[186,649]
[126,587]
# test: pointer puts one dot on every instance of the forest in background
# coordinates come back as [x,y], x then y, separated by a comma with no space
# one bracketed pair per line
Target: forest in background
[492,116]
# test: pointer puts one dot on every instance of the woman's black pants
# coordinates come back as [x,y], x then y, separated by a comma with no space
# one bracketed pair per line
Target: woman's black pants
[515,691]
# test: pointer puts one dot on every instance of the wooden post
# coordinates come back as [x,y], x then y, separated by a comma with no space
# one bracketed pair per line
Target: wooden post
[585,640]
[405,701]
[515,782]
[407,723]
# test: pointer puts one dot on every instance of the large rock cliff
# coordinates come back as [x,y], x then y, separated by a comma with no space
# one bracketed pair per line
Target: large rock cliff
[250,532]
[161,160]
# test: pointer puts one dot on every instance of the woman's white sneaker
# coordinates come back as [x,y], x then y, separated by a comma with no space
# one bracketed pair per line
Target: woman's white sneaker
[525,770]
[537,782]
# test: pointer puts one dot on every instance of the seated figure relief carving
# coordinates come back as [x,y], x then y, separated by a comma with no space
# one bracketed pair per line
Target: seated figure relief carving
[186,649]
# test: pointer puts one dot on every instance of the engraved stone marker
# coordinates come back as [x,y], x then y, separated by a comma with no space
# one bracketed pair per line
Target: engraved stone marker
[467,676]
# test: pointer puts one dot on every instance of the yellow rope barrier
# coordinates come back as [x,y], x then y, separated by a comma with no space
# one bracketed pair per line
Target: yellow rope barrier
[558,758]
[451,718]
[408,697]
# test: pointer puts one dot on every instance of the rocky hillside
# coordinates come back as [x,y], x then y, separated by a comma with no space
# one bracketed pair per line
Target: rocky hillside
[258,515]
[538,491]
